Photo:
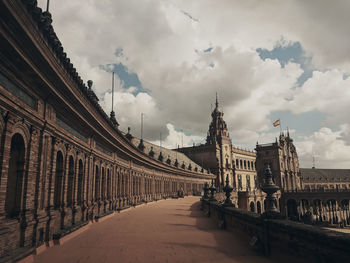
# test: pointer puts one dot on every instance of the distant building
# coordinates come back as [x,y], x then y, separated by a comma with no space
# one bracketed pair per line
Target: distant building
[283,160]
[326,179]
[224,160]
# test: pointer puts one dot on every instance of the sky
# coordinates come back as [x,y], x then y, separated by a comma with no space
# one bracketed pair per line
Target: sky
[267,60]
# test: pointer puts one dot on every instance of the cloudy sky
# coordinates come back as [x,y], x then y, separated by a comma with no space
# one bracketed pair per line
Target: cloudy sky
[267,60]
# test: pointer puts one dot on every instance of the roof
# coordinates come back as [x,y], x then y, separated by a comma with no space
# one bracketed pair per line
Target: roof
[172,155]
[316,175]
[44,22]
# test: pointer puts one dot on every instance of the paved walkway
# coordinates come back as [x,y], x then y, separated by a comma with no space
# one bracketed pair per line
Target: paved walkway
[165,231]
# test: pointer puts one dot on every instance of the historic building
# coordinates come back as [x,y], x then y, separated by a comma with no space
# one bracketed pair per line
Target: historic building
[327,179]
[224,160]
[283,160]
[63,160]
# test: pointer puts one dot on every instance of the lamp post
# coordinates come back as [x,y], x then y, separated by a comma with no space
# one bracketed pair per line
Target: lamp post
[270,189]
[212,190]
[206,191]
[228,189]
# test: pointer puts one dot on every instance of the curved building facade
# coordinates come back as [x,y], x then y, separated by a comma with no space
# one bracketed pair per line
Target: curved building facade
[63,160]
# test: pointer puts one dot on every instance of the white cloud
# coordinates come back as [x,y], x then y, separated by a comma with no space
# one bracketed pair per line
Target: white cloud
[327,148]
[327,92]
[159,43]
[179,138]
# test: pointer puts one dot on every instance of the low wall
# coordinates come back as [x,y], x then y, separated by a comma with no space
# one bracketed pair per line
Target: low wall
[271,236]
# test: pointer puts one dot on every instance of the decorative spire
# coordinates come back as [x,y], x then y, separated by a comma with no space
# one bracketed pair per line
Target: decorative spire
[112,116]
[216,101]
[47,5]
[89,82]
[128,135]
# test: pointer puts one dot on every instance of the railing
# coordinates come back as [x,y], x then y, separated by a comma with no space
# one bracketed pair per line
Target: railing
[277,236]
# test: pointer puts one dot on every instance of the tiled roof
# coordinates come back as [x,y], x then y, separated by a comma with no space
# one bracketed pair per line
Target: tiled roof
[314,174]
[44,22]
[168,154]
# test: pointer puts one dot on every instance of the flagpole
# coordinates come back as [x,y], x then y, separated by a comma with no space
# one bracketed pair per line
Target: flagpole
[280,126]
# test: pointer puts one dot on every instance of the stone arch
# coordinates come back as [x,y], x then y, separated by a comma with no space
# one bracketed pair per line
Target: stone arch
[252,206]
[15,181]
[80,184]
[97,181]
[344,203]
[292,209]
[58,190]
[70,180]
[109,183]
[103,182]
[21,129]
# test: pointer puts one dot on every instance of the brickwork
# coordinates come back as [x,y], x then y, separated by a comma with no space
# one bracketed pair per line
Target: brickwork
[63,162]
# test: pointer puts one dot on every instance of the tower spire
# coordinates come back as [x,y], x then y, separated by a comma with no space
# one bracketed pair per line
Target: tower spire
[112,116]
[216,101]
[47,5]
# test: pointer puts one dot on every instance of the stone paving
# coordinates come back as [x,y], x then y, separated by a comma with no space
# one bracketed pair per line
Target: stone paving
[165,231]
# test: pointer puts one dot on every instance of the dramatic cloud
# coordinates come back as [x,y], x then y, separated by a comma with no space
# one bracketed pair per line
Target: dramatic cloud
[177,54]
[326,147]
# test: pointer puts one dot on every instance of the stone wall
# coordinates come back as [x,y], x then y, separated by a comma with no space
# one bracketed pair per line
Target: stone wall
[271,236]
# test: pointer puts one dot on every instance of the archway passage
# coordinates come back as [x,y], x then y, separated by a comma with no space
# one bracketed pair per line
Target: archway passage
[97,183]
[58,180]
[80,182]
[70,185]
[292,209]
[14,190]
[252,207]
[258,206]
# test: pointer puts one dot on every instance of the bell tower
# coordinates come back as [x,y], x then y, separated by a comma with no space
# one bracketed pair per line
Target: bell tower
[218,136]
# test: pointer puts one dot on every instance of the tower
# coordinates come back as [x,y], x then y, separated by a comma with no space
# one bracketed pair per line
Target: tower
[218,136]
[283,160]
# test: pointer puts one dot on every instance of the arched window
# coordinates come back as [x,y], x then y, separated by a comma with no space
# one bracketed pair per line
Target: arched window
[97,183]
[258,207]
[103,185]
[239,181]
[14,191]
[58,180]
[252,208]
[119,184]
[108,184]
[70,181]
[80,182]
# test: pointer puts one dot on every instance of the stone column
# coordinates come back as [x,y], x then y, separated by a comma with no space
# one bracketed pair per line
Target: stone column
[270,189]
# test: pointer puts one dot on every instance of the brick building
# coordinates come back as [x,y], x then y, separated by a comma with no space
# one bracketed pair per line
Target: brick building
[63,160]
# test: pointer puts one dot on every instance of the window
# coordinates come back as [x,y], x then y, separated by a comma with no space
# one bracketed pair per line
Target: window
[239,181]
[14,191]
[70,189]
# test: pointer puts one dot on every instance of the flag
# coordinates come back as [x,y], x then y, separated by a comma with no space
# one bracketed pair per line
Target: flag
[276,123]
